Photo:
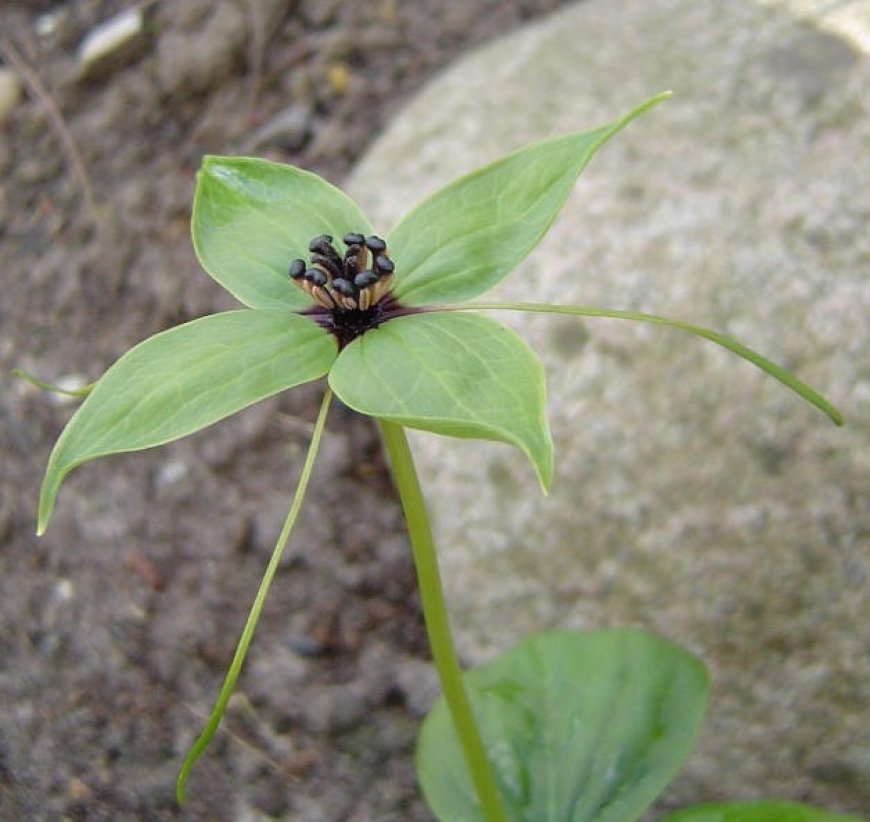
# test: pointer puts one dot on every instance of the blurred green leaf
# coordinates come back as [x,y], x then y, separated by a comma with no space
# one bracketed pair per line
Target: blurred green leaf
[761,811]
[579,727]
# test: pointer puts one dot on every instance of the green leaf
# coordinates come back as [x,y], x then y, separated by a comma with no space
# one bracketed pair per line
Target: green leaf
[468,236]
[252,217]
[578,727]
[184,379]
[460,375]
[761,811]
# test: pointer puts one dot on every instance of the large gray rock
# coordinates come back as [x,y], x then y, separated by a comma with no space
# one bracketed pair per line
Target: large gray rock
[693,496]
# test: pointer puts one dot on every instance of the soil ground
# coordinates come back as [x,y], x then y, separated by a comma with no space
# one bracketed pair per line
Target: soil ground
[117,626]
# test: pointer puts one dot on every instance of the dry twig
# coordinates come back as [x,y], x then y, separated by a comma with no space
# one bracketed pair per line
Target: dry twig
[68,146]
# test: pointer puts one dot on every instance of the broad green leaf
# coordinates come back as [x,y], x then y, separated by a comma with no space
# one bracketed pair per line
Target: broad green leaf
[252,217]
[459,375]
[578,727]
[760,811]
[468,236]
[184,379]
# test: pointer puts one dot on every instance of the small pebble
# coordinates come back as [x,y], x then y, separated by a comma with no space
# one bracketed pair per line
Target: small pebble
[112,44]
[78,790]
[289,129]
[338,75]
[49,23]
[10,93]
[319,13]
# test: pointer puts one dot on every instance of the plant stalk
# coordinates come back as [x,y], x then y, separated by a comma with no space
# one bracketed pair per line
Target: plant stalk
[437,623]
[244,643]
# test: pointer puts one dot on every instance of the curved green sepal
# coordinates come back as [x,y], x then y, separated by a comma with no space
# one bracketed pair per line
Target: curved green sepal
[776,371]
[578,727]
[252,217]
[468,236]
[459,375]
[209,729]
[759,811]
[184,379]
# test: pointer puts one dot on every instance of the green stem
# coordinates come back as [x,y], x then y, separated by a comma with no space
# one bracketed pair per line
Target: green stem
[777,372]
[437,624]
[83,391]
[254,614]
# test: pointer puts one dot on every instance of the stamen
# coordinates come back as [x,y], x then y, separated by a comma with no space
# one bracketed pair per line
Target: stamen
[320,242]
[316,276]
[316,279]
[353,261]
[381,287]
[349,290]
[375,244]
[332,266]
[323,297]
[364,282]
[365,278]
[383,264]
[345,293]
[322,245]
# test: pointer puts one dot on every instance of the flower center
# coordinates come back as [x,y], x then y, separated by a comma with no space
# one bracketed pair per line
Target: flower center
[351,292]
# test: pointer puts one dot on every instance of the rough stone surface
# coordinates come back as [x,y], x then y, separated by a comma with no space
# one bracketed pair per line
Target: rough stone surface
[849,19]
[693,495]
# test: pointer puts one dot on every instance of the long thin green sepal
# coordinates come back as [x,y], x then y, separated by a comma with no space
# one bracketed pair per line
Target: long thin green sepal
[776,371]
[232,675]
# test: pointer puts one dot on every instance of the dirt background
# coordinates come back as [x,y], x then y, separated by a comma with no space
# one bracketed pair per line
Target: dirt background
[117,626]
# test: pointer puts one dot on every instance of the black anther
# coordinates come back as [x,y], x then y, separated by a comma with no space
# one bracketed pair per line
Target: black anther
[331,264]
[384,264]
[344,287]
[297,269]
[320,243]
[365,278]
[375,244]
[353,238]
[316,276]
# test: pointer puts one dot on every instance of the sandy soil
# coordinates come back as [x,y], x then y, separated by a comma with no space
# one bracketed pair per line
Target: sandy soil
[117,626]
